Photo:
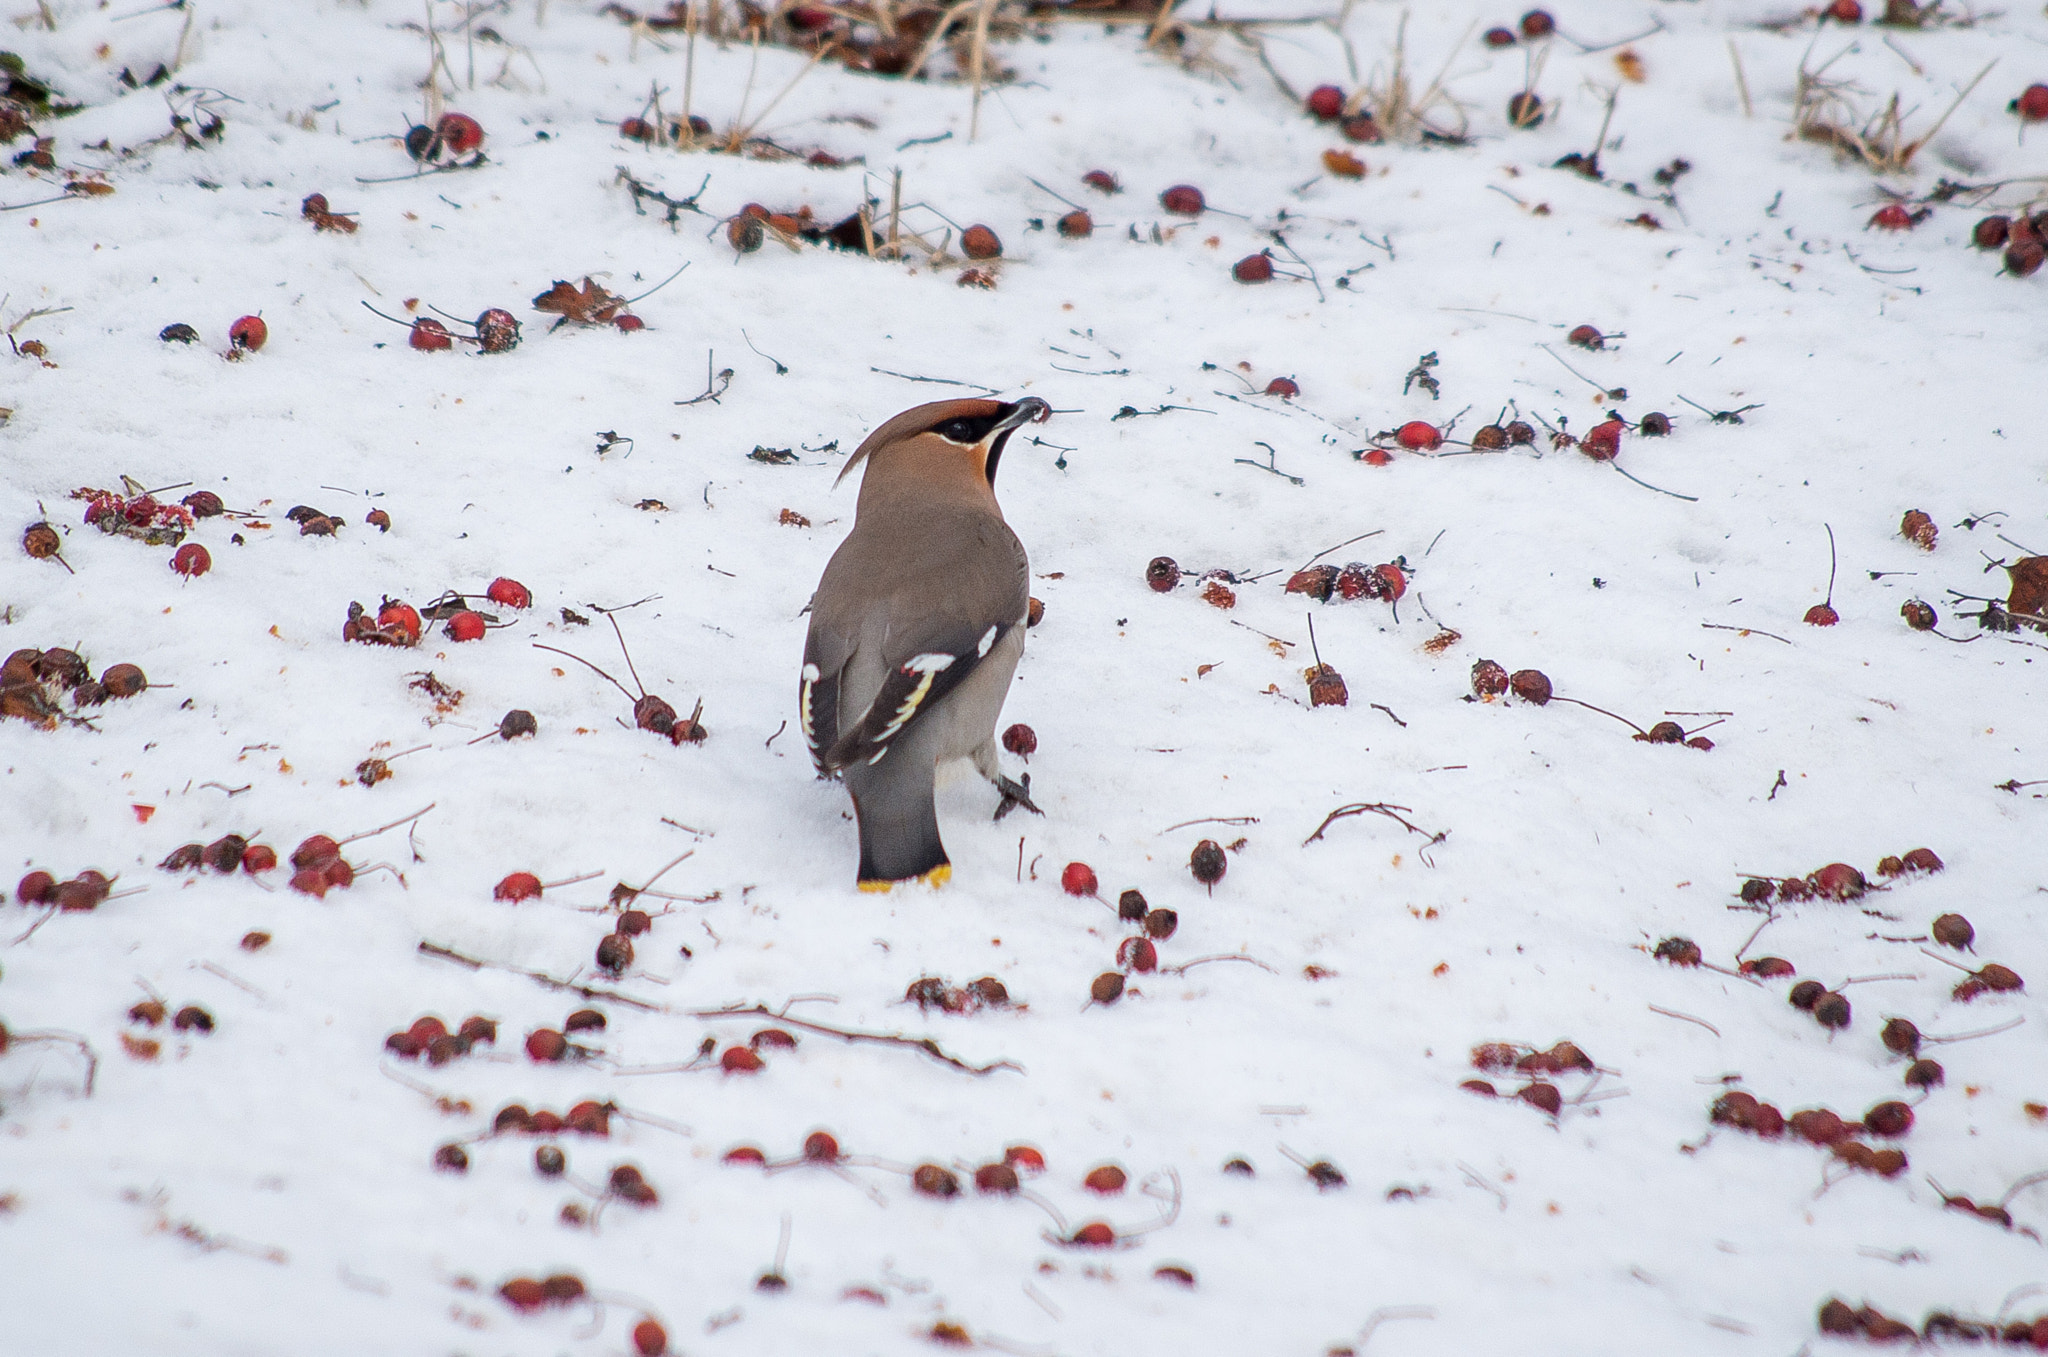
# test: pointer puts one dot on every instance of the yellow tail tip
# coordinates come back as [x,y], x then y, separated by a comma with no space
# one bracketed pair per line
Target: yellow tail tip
[936,877]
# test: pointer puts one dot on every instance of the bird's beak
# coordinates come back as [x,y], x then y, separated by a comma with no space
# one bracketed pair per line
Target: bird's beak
[1030,410]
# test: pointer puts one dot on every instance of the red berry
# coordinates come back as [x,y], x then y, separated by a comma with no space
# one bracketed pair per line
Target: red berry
[1991,232]
[37,888]
[1419,436]
[516,887]
[1326,102]
[649,1339]
[995,1180]
[1922,860]
[1184,199]
[402,618]
[1500,37]
[315,851]
[1102,181]
[1286,388]
[248,333]
[1093,1235]
[1107,1180]
[310,881]
[745,1154]
[429,335]
[1525,109]
[627,322]
[979,242]
[2033,103]
[1253,268]
[545,1045]
[1391,583]
[821,1147]
[1076,225]
[465,626]
[192,559]
[1377,457]
[1138,954]
[1531,685]
[740,1060]
[459,132]
[523,1293]
[509,592]
[1892,217]
[1586,337]
[1537,23]
[1845,12]
[1078,879]
[1838,881]
[1822,615]
[637,129]
[1024,1158]
[424,1030]
[1603,441]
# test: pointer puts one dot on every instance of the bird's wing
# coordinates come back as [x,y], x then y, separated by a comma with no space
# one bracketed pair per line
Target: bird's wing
[941,658]
[903,615]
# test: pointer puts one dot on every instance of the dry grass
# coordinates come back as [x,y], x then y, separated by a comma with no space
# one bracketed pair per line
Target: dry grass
[1829,112]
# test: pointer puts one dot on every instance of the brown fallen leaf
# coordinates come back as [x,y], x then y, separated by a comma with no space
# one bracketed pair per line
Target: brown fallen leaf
[592,305]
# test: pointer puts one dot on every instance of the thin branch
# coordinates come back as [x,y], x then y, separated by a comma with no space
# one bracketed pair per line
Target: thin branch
[924,1044]
[1214,820]
[1686,1017]
[434,949]
[1380,808]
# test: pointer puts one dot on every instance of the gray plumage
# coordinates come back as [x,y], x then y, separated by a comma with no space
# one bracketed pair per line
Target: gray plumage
[916,629]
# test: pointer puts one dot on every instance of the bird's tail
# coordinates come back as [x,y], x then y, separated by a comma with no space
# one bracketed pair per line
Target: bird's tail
[899,824]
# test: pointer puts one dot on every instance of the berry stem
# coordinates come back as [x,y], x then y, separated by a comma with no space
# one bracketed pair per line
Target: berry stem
[1831,563]
[372,833]
[1602,710]
[593,669]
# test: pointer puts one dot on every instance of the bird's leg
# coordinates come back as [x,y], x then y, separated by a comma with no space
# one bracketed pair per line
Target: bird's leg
[1015,794]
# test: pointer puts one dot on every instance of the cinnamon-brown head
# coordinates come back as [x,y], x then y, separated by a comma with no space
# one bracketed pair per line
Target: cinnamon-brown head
[944,448]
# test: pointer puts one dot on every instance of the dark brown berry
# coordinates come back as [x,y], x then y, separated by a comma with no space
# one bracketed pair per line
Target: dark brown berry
[1325,1175]
[615,952]
[1919,616]
[1679,952]
[1208,863]
[1161,923]
[1836,1317]
[1489,680]
[1490,438]
[1900,1037]
[1888,1119]
[584,1020]
[1530,685]
[989,992]
[978,242]
[1107,988]
[1525,108]
[549,1161]
[821,1147]
[1831,1010]
[1656,424]
[1130,906]
[934,1181]
[1922,860]
[1326,687]
[184,858]
[1806,994]
[451,1158]
[1758,890]
[1818,1126]
[1163,574]
[996,1179]
[2000,978]
[193,1018]
[1924,1074]
[1544,1097]
[1953,930]
[123,680]
[1664,732]
[517,723]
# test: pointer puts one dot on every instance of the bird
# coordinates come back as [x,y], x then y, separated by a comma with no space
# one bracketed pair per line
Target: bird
[916,629]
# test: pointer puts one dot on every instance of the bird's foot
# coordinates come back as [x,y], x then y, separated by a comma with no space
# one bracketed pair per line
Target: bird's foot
[1015,794]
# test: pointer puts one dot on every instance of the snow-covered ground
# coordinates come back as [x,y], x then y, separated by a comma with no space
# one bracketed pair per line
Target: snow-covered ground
[272,1187]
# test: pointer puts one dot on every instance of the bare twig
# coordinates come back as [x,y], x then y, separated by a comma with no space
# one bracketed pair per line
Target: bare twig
[923,1044]
[1686,1017]
[1391,812]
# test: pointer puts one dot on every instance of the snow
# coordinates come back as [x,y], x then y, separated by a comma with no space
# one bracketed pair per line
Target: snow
[268,1188]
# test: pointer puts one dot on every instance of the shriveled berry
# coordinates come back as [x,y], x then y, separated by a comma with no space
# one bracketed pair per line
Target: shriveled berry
[178,332]
[1161,923]
[1769,967]
[989,992]
[1531,685]
[1490,438]
[615,953]
[1544,1097]
[1489,680]
[1806,994]
[1106,988]
[1102,181]
[193,1018]
[1922,860]
[1919,616]
[476,1029]
[1679,952]
[1208,863]
[2002,979]
[1758,890]
[1836,1317]
[933,1181]
[1818,1126]
[451,1158]
[516,723]
[184,858]
[1664,732]
[1163,574]
[1925,1074]
[588,1118]
[772,1038]
[1603,441]
[497,331]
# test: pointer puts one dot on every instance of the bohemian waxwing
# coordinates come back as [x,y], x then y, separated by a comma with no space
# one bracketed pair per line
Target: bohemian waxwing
[916,629]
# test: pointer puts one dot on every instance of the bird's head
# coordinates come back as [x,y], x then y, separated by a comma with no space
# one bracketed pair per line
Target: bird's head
[948,438]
